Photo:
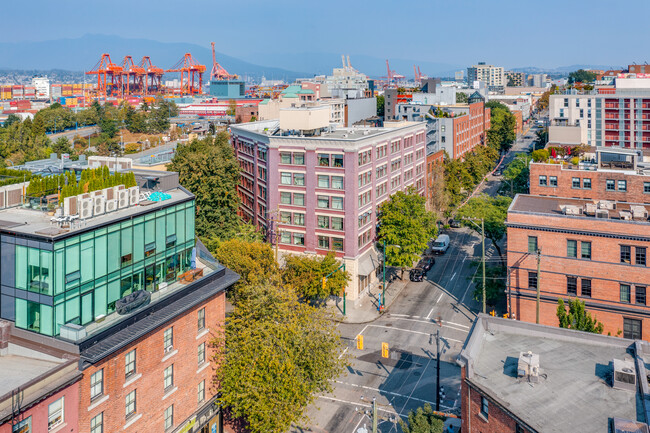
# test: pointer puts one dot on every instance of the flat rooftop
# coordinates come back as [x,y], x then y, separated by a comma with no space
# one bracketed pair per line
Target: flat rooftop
[18,370]
[574,392]
[24,220]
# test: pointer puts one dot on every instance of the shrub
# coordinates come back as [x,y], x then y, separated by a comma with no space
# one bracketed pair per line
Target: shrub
[540,155]
[132,148]
[575,160]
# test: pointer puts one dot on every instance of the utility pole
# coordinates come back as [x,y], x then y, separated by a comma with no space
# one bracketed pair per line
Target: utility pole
[383,289]
[438,370]
[483,254]
[374,415]
[539,256]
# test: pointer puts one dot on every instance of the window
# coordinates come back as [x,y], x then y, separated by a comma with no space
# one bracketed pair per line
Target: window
[129,364]
[96,384]
[323,202]
[285,237]
[323,222]
[586,183]
[200,392]
[169,417]
[285,158]
[632,329]
[639,295]
[575,182]
[201,353]
[299,219]
[571,248]
[285,178]
[285,197]
[323,181]
[129,404]
[646,187]
[200,321]
[170,241]
[298,199]
[168,376]
[337,202]
[323,160]
[299,239]
[532,280]
[168,340]
[55,414]
[126,259]
[337,182]
[97,424]
[585,250]
[532,244]
[337,244]
[299,179]
[542,181]
[553,180]
[337,223]
[150,249]
[571,285]
[299,158]
[610,185]
[484,407]
[585,287]
[625,293]
[639,258]
[324,242]
[626,254]
[622,185]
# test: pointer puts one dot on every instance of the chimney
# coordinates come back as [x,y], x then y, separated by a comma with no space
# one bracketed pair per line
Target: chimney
[528,366]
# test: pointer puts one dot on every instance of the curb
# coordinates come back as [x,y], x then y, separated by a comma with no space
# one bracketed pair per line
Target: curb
[380,314]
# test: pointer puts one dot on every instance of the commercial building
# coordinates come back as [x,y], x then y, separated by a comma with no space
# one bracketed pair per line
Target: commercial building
[515,79]
[538,80]
[580,248]
[118,274]
[492,76]
[228,89]
[314,188]
[42,86]
[345,82]
[520,377]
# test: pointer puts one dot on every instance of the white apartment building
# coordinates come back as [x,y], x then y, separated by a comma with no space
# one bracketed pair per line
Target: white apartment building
[42,85]
[492,76]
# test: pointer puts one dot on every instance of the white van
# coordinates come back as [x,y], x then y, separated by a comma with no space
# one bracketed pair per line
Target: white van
[440,245]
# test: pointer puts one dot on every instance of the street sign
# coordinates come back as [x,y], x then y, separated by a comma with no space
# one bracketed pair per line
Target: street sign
[384,350]
[360,342]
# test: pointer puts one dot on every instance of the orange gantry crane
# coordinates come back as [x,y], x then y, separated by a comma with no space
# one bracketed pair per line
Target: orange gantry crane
[132,77]
[218,72]
[152,77]
[191,75]
[109,77]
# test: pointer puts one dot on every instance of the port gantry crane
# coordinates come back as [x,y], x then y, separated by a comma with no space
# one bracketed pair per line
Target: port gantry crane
[218,72]
[191,75]
[152,77]
[109,77]
[132,73]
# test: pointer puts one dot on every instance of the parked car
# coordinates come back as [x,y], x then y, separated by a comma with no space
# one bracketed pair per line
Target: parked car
[498,172]
[427,263]
[440,245]
[416,274]
[454,224]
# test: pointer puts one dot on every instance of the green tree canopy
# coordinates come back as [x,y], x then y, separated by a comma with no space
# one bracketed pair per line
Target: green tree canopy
[461,98]
[501,134]
[380,105]
[209,169]
[305,275]
[62,145]
[581,76]
[495,283]
[275,356]
[406,226]
[577,317]
[423,420]
[541,138]
[517,174]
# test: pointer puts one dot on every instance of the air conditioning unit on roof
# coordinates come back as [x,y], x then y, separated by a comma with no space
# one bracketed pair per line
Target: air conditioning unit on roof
[111,205]
[122,199]
[99,205]
[602,213]
[86,208]
[134,195]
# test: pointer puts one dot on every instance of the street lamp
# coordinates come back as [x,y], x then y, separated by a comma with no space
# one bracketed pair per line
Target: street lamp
[482,227]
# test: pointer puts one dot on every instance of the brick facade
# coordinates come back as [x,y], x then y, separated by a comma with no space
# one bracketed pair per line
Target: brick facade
[151,361]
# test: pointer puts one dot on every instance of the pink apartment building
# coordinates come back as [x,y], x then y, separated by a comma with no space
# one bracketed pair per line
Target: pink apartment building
[313,188]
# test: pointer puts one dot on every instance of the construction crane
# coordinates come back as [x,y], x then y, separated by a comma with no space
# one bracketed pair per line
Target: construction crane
[109,77]
[152,77]
[418,75]
[392,77]
[191,75]
[132,77]
[218,72]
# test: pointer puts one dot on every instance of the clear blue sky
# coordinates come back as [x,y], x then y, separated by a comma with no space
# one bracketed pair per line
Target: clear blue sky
[510,32]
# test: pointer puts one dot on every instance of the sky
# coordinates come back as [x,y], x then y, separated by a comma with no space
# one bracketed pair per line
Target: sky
[509,33]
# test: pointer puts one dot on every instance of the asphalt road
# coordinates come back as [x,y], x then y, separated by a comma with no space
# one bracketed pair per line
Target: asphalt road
[82,132]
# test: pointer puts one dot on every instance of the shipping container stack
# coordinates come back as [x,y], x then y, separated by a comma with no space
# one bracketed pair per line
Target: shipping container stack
[66,90]
[17,92]
[5,93]
[30,92]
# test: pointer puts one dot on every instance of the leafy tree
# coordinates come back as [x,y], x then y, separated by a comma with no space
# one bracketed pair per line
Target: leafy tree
[209,169]
[540,155]
[380,105]
[577,317]
[61,146]
[501,134]
[461,98]
[581,76]
[275,356]
[517,174]
[423,420]
[541,138]
[495,283]
[11,119]
[494,211]
[305,275]
[406,227]
[232,108]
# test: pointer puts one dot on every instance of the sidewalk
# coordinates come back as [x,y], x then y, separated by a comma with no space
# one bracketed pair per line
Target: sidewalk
[364,309]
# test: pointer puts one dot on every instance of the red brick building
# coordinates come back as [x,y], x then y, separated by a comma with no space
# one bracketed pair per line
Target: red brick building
[246,113]
[519,377]
[595,252]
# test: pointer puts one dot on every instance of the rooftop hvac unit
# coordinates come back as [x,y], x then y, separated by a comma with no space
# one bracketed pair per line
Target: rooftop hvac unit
[590,208]
[602,213]
[528,366]
[99,205]
[2,199]
[111,205]
[624,375]
[572,210]
[108,193]
[86,208]
[606,204]
[98,198]
[639,212]
[82,197]
[122,199]
[70,206]
[625,215]
[134,195]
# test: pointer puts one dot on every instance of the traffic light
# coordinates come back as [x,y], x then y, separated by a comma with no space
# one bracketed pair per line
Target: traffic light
[384,350]
[493,313]
[506,316]
[324,282]
[360,342]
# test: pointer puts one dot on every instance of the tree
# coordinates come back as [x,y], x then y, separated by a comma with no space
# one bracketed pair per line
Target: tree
[209,169]
[581,76]
[423,420]
[406,227]
[577,317]
[493,210]
[305,275]
[380,105]
[62,145]
[232,108]
[540,155]
[461,98]
[517,175]
[275,356]
[541,138]
[11,119]
[495,283]
[501,134]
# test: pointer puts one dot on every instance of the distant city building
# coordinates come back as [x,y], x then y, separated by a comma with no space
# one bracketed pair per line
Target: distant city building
[515,79]
[459,75]
[492,76]
[246,113]
[42,86]
[345,82]
[517,377]
[314,188]
[229,89]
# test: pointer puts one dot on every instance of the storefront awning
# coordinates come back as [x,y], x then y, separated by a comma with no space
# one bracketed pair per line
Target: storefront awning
[369,262]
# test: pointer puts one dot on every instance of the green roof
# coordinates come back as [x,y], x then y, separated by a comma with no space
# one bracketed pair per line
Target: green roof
[305,92]
[291,89]
[289,95]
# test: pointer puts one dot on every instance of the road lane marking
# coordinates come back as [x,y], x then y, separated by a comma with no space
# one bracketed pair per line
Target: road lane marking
[429,315]
[439,298]
[450,325]
[341,355]
[395,394]
[452,277]
[394,412]
[425,320]
[413,332]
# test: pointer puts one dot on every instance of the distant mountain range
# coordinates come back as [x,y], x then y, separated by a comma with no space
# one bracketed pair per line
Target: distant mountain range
[565,69]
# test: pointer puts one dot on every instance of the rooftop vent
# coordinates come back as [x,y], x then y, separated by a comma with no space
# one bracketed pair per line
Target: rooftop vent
[572,210]
[602,213]
[528,366]
[639,212]
[624,375]
[590,208]
[607,204]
